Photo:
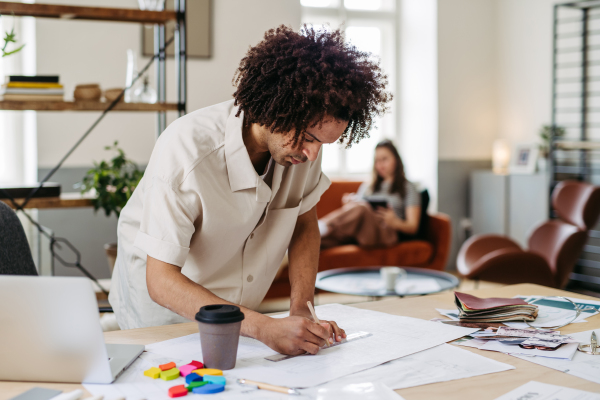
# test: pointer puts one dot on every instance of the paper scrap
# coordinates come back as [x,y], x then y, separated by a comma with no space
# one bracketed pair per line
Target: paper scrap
[543,391]
[585,366]
[565,352]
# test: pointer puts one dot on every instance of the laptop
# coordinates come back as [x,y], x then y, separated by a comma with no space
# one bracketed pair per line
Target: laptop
[50,332]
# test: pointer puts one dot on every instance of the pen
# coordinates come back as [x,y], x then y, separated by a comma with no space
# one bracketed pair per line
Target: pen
[266,386]
[314,315]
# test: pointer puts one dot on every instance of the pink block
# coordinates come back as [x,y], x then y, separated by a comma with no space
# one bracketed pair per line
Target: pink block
[185,370]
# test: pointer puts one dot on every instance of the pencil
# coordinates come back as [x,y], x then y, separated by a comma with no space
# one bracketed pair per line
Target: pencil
[314,315]
[266,386]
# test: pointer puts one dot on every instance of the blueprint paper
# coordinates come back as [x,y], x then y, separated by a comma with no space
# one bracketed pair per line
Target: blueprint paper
[440,364]
[542,391]
[393,337]
[585,366]
[357,391]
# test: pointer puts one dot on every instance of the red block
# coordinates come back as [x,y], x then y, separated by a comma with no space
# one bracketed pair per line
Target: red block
[178,391]
[197,364]
[165,367]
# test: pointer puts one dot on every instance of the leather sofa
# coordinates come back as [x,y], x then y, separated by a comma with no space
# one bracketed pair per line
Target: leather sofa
[431,252]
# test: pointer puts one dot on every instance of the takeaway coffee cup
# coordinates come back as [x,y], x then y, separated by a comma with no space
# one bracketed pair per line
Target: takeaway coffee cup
[389,275]
[219,326]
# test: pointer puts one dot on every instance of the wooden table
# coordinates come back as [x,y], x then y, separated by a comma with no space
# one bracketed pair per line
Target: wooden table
[479,387]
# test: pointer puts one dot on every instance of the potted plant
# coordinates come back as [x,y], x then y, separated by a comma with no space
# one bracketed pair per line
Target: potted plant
[546,135]
[10,37]
[112,183]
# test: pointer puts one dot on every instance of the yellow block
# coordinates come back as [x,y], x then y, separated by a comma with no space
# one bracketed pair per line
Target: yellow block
[208,371]
[153,373]
[169,374]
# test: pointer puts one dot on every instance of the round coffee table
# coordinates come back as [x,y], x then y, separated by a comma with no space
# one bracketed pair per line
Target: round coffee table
[366,281]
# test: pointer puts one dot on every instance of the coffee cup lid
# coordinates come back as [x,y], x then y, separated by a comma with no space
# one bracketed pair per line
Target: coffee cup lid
[219,314]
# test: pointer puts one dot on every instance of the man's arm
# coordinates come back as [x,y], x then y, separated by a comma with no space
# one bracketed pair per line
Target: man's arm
[171,289]
[303,254]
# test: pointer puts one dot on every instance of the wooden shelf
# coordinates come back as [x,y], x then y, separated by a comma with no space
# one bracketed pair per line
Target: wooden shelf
[577,145]
[82,106]
[86,13]
[66,200]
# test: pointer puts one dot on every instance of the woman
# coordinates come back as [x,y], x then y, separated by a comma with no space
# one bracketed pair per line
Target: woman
[358,222]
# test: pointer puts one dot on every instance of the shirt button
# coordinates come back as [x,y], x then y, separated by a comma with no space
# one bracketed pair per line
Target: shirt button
[250,278]
[251,235]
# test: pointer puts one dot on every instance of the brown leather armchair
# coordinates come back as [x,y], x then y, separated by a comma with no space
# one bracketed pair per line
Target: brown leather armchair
[554,246]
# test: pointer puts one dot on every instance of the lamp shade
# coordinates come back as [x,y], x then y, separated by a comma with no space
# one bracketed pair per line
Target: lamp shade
[500,156]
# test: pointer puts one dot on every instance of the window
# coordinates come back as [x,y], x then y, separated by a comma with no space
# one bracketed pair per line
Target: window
[370,25]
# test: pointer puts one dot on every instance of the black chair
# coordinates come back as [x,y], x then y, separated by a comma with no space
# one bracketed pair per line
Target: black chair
[15,255]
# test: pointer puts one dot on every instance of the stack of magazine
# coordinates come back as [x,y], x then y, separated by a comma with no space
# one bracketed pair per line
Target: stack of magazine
[475,309]
[32,88]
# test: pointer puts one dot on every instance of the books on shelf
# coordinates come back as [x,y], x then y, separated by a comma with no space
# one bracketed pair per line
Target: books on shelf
[32,88]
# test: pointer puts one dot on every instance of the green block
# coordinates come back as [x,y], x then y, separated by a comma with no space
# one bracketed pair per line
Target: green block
[169,374]
[195,384]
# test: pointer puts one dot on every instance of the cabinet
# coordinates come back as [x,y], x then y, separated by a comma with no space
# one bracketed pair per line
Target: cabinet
[510,205]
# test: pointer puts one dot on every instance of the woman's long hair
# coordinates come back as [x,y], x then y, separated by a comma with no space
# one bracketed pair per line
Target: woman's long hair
[399,183]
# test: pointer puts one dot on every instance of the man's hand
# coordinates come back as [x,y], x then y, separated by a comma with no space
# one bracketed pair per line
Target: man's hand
[334,331]
[295,335]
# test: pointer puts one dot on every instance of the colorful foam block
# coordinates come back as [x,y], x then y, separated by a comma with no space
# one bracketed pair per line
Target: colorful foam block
[153,373]
[208,371]
[170,374]
[167,366]
[198,364]
[193,377]
[185,370]
[195,384]
[219,380]
[209,389]
[178,391]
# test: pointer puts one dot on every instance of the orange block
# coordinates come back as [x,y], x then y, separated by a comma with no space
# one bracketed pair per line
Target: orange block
[178,391]
[165,367]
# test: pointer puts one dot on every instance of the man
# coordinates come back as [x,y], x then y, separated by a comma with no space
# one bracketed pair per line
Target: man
[230,188]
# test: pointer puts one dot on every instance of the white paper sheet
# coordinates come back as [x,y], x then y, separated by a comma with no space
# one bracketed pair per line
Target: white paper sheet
[542,391]
[393,337]
[357,391]
[583,365]
[133,385]
[440,364]
[565,352]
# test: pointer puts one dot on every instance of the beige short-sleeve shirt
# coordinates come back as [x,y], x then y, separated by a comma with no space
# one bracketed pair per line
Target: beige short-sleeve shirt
[202,206]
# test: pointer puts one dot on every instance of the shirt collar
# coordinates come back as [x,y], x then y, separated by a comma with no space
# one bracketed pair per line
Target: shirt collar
[240,170]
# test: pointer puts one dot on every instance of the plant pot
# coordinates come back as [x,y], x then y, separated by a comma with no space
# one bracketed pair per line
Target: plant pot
[111,255]
[89,92]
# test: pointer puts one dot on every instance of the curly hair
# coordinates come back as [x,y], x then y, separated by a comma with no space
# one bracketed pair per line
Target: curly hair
[294,80]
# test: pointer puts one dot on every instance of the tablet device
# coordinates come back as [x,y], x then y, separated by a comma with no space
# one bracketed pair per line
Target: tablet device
[377,203]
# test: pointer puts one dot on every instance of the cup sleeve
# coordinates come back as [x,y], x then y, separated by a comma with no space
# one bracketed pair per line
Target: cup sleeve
[167,225]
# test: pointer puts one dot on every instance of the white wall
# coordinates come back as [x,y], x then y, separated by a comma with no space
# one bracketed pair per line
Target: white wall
[524,46]
[467,78]
[418,111]
[95,52]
